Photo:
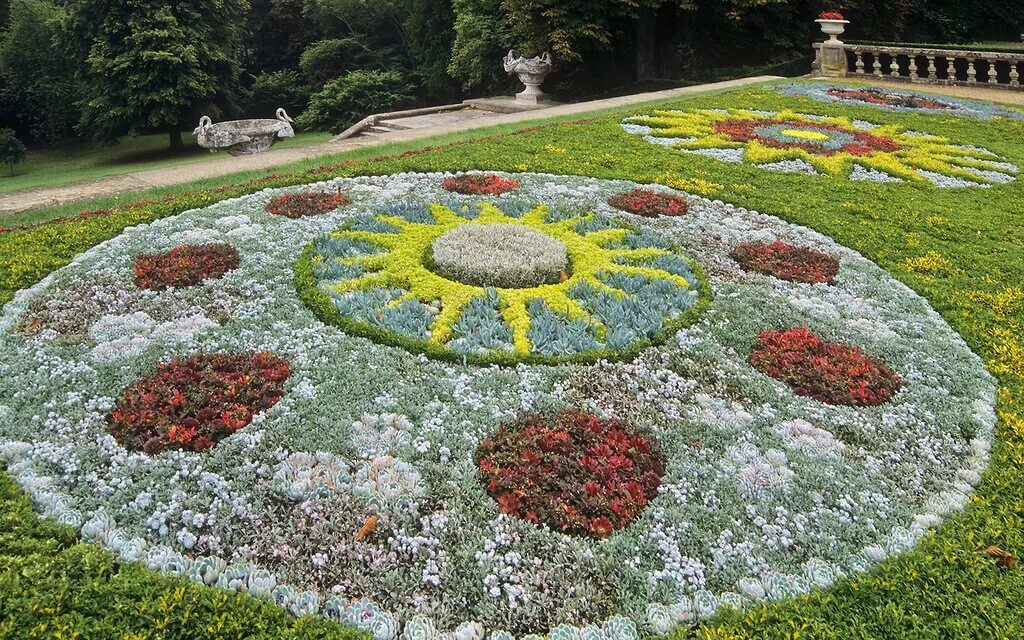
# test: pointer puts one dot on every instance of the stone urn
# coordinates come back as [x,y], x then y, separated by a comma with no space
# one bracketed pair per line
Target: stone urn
[531,72]
[832,28]
[244,137]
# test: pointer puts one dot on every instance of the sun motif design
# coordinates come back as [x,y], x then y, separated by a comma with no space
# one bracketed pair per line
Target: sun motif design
[486,285]
[796,142]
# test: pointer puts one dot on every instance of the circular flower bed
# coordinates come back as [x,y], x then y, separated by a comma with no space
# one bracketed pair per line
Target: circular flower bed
[829,372]
[500,255]
[302,205]
[441,282]
[358,497]
[184,266]
[193,403]
[787,141]
[573,472]
[650,204]
[786,262]
[480,184]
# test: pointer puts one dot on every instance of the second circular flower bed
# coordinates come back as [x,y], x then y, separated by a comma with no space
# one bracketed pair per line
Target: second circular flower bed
[572,471]
[193,403]
[830,372]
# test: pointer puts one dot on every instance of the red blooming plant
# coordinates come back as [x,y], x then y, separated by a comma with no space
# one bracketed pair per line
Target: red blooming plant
[480,184]
[184,266]
[193,403]
[786,262]
[650,204]
[301,205]
[830,372]
[830,15]
[571,471]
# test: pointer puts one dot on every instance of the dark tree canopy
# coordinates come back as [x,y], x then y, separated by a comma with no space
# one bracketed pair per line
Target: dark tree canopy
[154,66]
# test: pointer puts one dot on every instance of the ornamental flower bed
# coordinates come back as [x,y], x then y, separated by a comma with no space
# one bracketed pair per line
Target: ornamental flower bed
[829,372]
[480,184]
[184,266]
[573,472]
[302,205]
[193,403]
[818,139]
[650,204]
[786,262]
[365,478]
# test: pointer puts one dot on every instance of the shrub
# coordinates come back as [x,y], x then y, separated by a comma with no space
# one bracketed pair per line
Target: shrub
[12,151]
[829,372]
[276,89]
[184,266]
[480,184]
[193,403]
[786,262]
[650,204]
[572,471]
[346,100]
[301,205]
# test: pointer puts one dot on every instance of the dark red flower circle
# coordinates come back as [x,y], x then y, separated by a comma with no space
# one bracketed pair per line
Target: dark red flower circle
[786,262]
[857,143]
[571,471]
[480,184]
[193,403]
[301,205]
[829,372]
[650,204]
[184,266]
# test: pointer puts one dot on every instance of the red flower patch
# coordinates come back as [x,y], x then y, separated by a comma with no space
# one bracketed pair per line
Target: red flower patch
[301,205]
[786,262]
[193,403]
[829,372]
[572,471]
[888,99]
[840,140]
[184,266]
[830,15]
[650,204]
[477,184]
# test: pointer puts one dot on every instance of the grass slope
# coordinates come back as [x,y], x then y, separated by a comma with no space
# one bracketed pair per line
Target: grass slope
[963,249]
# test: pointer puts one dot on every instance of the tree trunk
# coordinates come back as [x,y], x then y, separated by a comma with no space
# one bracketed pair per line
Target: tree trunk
[175,136]
[647,44]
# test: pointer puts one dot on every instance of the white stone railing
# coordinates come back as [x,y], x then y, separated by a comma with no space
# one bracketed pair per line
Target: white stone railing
[920,63]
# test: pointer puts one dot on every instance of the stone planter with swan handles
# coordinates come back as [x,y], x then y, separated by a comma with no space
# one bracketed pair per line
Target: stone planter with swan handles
[244,137]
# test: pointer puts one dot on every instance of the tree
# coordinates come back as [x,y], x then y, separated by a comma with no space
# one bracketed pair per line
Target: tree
[346,100]
[11,150]
[154,66]
[39,90]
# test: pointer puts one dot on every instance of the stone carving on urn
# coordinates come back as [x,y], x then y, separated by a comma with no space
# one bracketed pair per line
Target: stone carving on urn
[531,72]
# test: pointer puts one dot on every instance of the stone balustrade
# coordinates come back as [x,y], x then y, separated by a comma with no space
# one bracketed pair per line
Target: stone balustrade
[919,63]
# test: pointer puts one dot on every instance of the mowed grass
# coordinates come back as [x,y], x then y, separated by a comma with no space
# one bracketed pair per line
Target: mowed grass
[80,161]
[963,249]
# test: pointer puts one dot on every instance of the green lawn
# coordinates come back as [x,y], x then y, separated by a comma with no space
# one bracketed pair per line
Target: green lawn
[76,162]
[963,249]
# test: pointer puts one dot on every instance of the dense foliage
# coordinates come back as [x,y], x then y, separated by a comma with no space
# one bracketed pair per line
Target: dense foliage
[12,151]
[346,100]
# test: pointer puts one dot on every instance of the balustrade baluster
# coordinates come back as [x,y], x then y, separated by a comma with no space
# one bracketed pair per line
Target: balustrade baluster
[993,74]
[971,73]
[931,68]
[950,69]
[894,66]
[912,67]
[859,56]
[876,64]
[1014,75]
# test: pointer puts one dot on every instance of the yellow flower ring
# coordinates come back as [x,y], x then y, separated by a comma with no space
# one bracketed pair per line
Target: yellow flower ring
[620,290]
[828,145]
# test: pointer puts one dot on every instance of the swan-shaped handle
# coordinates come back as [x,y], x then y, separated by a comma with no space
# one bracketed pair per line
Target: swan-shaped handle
[283,115]
[204,122]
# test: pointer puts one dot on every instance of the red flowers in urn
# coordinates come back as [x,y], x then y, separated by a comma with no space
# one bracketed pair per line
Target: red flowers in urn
[830,372]
[480,184]
[786,262]
[830,15]
[193,403]
[650,204]
[301,205]
[571,471]
[184,266]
